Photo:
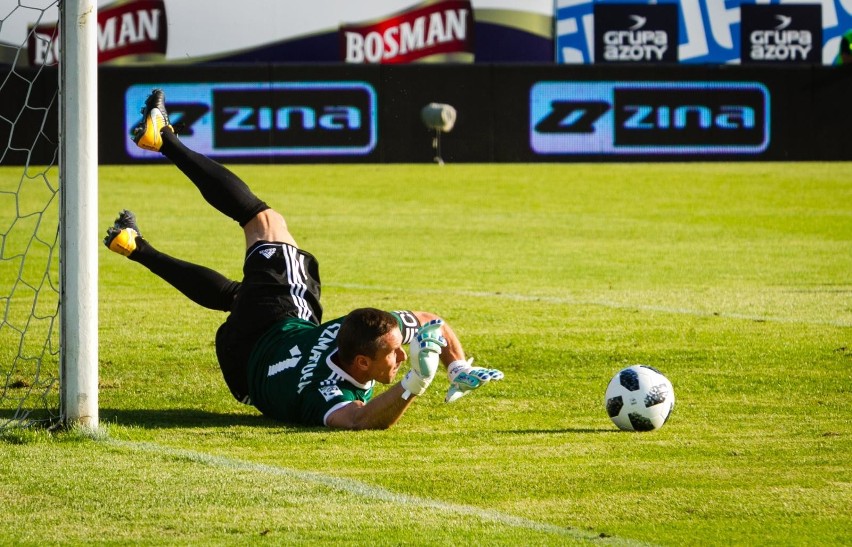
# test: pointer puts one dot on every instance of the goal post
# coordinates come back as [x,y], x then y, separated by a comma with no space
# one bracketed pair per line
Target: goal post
[48,214]
[78,175]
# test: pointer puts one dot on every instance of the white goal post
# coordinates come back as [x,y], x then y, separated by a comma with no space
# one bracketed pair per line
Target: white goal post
[78,168]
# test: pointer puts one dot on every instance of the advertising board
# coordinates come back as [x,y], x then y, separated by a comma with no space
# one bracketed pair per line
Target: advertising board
[781,34]
[144,32]
[649,118]
[256,119]
[636,33]
[709,31]
[512,113]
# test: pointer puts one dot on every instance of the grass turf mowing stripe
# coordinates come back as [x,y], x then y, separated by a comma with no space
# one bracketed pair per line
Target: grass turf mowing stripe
[600,303]
[363,490]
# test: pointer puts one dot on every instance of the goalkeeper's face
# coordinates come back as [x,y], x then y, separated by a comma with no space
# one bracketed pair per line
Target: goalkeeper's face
[389,357]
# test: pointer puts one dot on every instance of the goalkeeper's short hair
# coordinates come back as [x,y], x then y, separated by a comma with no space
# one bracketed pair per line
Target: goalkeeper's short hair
[362,331]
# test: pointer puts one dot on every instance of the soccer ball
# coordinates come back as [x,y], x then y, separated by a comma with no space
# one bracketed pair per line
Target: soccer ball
[639,398]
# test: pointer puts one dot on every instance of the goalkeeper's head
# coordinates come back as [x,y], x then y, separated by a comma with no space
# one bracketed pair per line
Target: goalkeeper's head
[369,345]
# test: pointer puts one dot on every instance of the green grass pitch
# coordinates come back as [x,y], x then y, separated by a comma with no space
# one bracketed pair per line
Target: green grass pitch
[735,280]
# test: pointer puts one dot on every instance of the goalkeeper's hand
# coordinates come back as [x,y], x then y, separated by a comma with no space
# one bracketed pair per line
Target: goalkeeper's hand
[464,378]
[425,356]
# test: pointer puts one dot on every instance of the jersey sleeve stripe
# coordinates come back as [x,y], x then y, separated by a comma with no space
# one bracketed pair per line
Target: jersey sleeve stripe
[408,324]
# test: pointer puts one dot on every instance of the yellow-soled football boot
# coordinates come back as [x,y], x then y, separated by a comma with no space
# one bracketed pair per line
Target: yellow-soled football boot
[121,236]
[146,134]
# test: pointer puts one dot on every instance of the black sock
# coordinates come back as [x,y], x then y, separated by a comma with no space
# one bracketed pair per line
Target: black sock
[202,285]
[220,187]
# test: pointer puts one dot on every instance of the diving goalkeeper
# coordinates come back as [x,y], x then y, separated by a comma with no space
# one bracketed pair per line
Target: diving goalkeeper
[274,351]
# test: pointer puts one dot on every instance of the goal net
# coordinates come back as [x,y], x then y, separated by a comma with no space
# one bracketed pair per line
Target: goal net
[34,245]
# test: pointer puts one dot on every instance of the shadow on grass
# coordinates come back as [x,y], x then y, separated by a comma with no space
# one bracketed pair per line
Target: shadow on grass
[559,431]
[187,418]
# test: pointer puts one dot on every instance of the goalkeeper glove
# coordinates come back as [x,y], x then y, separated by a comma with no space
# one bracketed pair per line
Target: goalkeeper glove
[464,378]
[425,356]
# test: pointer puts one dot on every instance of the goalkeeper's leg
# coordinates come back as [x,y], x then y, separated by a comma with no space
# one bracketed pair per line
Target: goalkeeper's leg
[219,186]
[202,285]
[228,193]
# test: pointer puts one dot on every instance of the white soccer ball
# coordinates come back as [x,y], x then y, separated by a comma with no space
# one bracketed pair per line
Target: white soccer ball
[639,398]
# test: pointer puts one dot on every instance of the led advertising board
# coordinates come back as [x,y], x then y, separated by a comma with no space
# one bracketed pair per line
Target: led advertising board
[648,118]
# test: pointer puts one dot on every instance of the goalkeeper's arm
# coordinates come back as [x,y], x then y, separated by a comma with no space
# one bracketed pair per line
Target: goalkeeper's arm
[386,409]
[380,413]
[453,351]
[463,376]
[440,345]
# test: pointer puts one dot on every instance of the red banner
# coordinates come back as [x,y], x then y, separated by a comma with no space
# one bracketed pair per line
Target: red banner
[436,28]
[133,29]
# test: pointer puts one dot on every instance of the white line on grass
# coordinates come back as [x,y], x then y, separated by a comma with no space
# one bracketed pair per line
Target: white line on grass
[567,300]
[364,490]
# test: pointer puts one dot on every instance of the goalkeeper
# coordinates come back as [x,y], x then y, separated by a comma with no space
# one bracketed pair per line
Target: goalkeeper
[274,351]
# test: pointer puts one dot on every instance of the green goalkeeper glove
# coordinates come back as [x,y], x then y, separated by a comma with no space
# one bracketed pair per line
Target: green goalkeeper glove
[464,378]
[425,356]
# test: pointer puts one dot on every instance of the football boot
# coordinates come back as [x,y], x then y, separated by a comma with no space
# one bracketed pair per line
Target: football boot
[121,236]
[155,118]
